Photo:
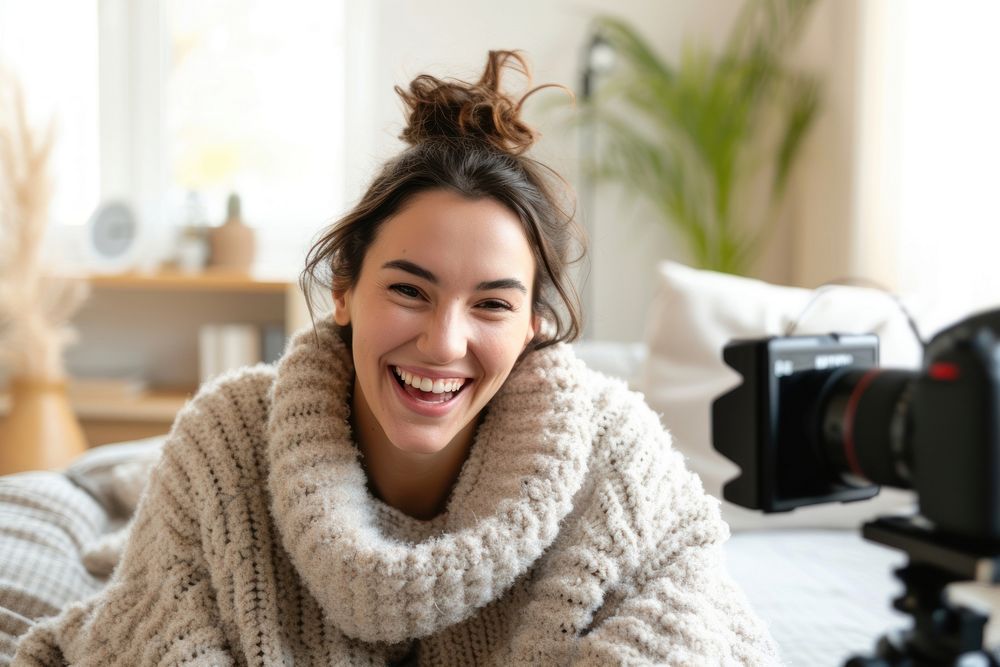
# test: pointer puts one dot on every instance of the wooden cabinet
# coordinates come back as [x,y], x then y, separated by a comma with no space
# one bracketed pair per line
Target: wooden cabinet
[145,326]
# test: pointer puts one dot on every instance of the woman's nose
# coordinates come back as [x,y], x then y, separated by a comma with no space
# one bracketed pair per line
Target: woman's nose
[445,337]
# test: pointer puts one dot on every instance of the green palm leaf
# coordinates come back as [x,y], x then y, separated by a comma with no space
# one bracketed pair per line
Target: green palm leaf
[690,137]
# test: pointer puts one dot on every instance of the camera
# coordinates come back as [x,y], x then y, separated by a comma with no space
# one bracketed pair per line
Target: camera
[817,420]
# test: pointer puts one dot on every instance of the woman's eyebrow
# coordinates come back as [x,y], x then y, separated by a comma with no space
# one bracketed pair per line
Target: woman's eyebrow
[410,267]
[486,285]
[503,283]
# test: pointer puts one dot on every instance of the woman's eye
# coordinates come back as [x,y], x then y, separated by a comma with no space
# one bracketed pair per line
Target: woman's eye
[409,291]
[495,304]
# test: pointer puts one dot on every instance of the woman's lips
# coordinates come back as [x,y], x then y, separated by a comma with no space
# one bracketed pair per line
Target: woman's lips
[426,403]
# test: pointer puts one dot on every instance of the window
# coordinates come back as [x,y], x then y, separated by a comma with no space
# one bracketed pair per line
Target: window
[930,220]
[158,100]
[56,64]
[949,233]
[252,103]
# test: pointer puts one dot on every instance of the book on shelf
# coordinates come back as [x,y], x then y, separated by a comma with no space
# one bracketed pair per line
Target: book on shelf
[224,347]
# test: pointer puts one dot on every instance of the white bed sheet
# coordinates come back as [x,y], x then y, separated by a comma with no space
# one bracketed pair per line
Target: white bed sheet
[825,594]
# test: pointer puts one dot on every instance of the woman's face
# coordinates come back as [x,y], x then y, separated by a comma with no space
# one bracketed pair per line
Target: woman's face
[439,315]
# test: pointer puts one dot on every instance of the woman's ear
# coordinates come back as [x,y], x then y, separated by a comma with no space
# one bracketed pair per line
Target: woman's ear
[342,307]
[536,326]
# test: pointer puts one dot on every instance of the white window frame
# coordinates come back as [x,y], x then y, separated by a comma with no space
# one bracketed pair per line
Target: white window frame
[131,64]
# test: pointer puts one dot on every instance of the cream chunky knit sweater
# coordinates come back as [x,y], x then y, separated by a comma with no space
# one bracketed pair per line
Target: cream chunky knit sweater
[574,535]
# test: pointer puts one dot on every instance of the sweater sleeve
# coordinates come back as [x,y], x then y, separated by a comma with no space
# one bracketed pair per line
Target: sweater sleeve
[159,607]
[679,606]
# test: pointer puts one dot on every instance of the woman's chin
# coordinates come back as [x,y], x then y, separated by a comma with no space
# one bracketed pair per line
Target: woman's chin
[417,445]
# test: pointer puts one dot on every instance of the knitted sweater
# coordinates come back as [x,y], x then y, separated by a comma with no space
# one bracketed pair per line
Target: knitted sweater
[574,535]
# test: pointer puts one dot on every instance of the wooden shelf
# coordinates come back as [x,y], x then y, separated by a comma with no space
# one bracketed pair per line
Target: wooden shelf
[152,406]
[106,420]
[146,324]
[206,281]
[160,406]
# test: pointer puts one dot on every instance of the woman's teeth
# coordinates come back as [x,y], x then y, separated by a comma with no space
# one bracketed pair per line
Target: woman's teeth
[438,386]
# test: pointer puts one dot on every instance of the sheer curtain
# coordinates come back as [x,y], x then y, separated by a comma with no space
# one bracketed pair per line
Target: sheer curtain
[928,211]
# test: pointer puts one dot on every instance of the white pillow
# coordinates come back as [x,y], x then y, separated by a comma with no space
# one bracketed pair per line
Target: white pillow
[692,317]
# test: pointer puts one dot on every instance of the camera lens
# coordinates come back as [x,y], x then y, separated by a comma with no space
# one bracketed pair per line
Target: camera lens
[865,427]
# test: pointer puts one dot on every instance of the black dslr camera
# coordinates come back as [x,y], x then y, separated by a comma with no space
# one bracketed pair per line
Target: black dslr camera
[816,420]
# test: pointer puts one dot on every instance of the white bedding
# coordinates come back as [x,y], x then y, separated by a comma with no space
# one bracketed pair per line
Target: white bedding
[825,594]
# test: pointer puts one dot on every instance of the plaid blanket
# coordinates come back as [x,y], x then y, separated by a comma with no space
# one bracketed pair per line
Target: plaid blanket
[54,531]
[45,521]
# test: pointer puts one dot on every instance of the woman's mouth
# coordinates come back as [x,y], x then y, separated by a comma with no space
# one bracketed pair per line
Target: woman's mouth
[428,390]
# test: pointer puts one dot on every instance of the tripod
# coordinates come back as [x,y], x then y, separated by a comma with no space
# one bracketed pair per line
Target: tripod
[942,633]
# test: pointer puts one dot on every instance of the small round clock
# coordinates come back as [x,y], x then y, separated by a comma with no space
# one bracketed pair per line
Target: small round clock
[111,236]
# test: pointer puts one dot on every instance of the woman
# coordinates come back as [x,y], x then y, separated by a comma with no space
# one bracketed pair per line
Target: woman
[430,477]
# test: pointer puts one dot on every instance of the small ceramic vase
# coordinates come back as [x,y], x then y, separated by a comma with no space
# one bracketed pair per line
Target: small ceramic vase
[233,245]
[40,431]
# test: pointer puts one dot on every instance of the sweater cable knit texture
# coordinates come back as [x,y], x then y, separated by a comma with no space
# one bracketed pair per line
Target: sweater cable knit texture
[574,535]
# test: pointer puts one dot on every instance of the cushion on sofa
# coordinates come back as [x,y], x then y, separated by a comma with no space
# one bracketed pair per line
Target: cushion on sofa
[116,474]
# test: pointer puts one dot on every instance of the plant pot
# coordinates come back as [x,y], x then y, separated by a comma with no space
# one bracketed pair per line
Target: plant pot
[40,431]
[233,247]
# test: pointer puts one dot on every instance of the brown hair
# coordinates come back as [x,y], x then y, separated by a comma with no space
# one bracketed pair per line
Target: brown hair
[467,138]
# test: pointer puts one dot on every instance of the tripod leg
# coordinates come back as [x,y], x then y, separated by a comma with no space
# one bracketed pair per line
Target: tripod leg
[942,634]
[941,631]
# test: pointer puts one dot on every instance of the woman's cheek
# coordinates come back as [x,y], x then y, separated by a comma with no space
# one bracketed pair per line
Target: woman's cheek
[498,346]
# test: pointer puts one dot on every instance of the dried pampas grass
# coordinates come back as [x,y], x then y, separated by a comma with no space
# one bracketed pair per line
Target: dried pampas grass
[35,308]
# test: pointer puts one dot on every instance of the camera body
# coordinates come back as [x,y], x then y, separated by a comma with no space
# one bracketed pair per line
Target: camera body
[762,425]
[816,420]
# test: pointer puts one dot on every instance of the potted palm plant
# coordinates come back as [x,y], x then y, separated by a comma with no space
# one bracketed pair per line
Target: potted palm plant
[697,138]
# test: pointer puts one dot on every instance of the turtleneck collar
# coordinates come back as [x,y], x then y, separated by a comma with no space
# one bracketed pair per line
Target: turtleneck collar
[380,575]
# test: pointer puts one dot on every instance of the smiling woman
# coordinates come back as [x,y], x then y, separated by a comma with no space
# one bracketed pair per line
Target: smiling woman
[429,476]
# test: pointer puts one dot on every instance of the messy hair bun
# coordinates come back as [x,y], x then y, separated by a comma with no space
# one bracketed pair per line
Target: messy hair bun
[453,109]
